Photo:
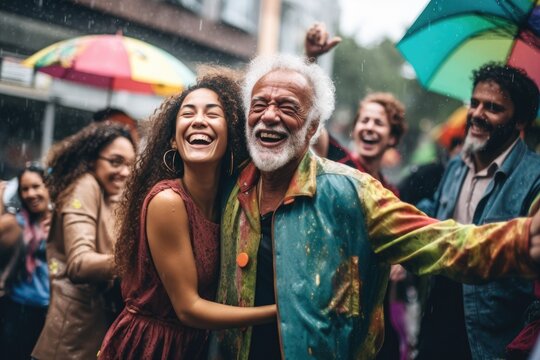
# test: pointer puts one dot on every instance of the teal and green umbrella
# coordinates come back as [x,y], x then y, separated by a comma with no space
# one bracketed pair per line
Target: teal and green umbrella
[451,38]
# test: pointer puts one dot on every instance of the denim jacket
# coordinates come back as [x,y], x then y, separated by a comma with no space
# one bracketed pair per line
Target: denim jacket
[494,312]
[334,235]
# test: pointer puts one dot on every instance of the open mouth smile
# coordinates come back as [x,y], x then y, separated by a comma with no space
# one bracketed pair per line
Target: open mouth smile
[479,128]
[199,139]
[369,140]
[270,138]
[34,203]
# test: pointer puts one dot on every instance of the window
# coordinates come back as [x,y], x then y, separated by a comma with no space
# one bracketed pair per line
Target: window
[194,5]
[243,14]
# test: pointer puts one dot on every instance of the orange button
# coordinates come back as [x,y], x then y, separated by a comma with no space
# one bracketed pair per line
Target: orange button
[242,259]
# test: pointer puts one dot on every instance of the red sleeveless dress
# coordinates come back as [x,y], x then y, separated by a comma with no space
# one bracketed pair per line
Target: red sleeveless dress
[148,327]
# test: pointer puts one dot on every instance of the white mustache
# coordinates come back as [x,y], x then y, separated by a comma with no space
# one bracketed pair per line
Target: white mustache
[263,127]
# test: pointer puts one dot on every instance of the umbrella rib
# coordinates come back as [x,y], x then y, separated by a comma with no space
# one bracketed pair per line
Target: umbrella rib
[524,23]
[515,12]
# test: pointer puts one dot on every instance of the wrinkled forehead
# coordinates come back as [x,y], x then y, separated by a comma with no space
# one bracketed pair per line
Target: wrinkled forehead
[287,81]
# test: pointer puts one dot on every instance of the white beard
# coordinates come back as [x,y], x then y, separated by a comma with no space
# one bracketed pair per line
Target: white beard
[271,159]
[472,145]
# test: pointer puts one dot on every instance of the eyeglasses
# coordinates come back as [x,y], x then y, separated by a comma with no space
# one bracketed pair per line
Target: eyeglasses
[117,162]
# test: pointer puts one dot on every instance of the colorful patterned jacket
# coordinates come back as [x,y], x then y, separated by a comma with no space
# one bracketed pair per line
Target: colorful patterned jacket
[334,236]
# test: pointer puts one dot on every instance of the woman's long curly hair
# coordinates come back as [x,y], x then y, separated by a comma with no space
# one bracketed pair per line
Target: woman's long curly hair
[150,168]
[76,155]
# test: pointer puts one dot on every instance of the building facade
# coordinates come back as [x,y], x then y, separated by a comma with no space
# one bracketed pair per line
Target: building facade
[36,110]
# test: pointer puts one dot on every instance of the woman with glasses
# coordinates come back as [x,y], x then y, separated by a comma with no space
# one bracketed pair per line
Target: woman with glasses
[88,174]
[26,277]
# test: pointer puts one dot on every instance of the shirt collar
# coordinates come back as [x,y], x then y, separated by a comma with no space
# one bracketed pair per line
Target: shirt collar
[303,181]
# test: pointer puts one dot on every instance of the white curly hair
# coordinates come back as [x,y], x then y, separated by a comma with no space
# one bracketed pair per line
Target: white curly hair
[323,101]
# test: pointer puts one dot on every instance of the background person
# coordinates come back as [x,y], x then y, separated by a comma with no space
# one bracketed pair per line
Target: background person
[88,173]
[423,180]
[378,126]
[24,306]
[495,178]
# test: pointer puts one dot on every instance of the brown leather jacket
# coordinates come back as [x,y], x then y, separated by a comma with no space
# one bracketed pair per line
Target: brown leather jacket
[79,253]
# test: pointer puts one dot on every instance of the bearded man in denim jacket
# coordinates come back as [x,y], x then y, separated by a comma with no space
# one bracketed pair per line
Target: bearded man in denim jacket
[495,178]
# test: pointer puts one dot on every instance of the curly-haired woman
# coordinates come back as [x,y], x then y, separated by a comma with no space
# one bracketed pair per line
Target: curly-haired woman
[168,251]
[89,172]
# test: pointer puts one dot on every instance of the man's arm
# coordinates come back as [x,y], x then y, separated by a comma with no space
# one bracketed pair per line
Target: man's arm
[318,43]
[400,233]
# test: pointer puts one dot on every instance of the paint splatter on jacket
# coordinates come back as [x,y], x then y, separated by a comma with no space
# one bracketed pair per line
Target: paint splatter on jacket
[334,235]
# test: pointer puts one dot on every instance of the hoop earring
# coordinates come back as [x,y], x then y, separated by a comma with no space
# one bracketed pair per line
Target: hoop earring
[170,168]
[231,165]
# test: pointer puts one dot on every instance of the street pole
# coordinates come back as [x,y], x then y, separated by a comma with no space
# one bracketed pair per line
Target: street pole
[269,26]
[48,127]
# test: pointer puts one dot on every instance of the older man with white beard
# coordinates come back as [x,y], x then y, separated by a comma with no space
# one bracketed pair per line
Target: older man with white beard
[317,237]
[495,178]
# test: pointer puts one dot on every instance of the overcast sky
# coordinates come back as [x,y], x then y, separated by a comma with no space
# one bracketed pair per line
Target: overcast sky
[369,21]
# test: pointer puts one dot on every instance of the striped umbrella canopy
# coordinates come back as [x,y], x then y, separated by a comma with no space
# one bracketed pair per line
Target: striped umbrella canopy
[114,62]
[453,127]
[451,38]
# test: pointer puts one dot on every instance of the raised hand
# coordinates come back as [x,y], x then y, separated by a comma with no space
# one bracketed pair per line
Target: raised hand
[317,42]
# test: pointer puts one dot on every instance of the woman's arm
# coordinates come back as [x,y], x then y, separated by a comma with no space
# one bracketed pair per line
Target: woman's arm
[167,228]
[10,231]
[84,264]
[80,227]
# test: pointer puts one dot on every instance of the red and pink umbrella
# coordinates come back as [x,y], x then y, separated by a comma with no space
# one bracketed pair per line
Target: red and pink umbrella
[114,62]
